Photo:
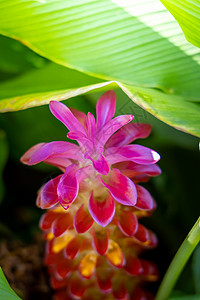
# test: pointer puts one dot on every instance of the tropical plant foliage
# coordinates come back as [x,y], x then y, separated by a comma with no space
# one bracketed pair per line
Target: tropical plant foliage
[136,44]
[75,50]
[5,291]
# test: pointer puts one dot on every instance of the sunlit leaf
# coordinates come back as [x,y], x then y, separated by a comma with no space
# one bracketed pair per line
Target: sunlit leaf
[55,82]
[173,109]
[6,293]
[136,43]
[187,13]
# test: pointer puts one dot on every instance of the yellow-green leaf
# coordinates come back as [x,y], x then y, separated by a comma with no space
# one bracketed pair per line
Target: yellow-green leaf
[187,13]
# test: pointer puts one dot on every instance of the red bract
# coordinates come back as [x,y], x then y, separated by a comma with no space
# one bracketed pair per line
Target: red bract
[91,226]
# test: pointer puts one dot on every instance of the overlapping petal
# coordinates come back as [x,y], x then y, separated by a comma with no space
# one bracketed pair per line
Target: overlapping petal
[105,108]
[135,153]
[61,224]
[102,210]
[46,151]
[73,247]
[82,220]
[100,164]
[131,169]
[129,133]
[121,188]
[144,199]
[64,114]
[100,240]
[127,222]
[48,195]
[91,126]
[68,187]
[111,127]
[80,116]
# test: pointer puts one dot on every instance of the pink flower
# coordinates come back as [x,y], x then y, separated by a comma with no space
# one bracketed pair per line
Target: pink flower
[104,167]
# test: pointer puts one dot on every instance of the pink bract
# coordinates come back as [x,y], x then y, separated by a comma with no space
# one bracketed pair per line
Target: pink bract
[104,164]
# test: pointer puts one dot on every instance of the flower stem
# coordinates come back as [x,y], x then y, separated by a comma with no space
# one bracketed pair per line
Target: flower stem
[178,262]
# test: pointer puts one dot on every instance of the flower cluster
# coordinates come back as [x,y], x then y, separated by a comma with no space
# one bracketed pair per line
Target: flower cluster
[91,226]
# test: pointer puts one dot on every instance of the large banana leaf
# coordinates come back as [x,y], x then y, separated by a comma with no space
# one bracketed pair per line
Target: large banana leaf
[136,44]
[55,82]
[16,58]
[187,13]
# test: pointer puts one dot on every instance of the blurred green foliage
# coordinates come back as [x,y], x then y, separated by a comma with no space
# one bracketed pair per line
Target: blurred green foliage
[3,159]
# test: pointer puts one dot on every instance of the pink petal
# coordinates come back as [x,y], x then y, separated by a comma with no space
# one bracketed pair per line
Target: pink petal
[121,188]
[100,164]
[127,222]
[44,151]
[68,187]
[144,199]
[102,210]
[28,154]
[91,126]
[129,133]
[59,162]
[83,140]
[79,115]
[61,224]
[63,114]
[83,173]
[100,240]
[111,127]
[136,153]
[140,178]
[82,220]
[48,195]
[105,108]
[131,169]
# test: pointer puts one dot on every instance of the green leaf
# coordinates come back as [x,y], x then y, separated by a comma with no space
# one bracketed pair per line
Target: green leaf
[16,58]
[6,293]
[196,269]
[187,13]
[55,82]
[179,261]
[172,109]
[133,43]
